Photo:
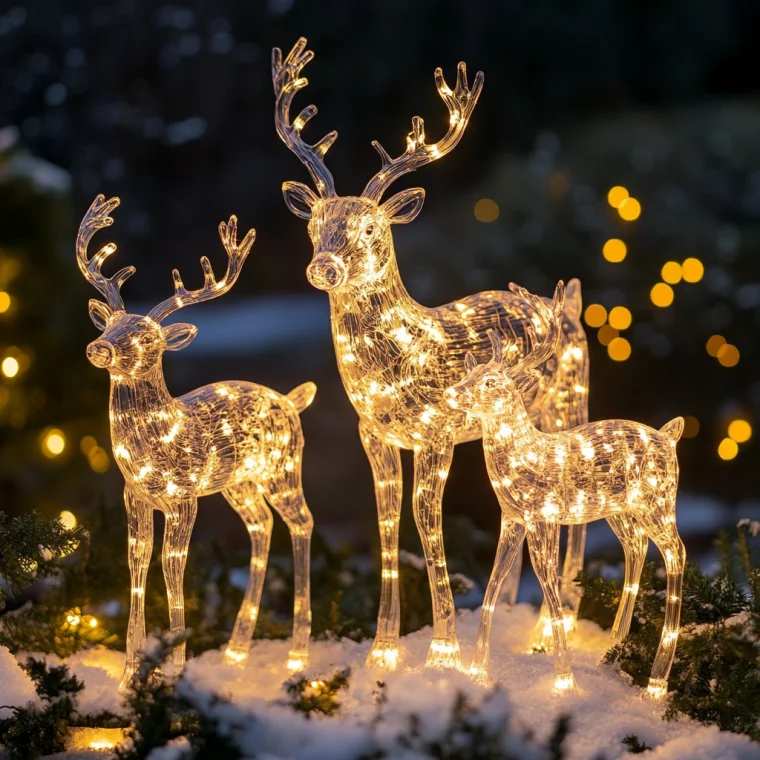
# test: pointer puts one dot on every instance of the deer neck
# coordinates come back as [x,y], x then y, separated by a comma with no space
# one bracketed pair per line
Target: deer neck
[137,396]
[510,427]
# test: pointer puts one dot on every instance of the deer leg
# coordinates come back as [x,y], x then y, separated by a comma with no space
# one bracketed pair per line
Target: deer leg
[139,548]
[543,545]
[385,462]
[250,504]
[285,494]
[511,585]
[634,540]
[571,593]
[510,546]
[431,468]
[662,530]
[180,518]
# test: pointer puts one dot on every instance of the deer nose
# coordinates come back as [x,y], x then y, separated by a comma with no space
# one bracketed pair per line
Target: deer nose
[100,353]
[326,273]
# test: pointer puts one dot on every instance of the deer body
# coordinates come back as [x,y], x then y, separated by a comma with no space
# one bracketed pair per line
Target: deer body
[397,357]
[621,471]
[237,438]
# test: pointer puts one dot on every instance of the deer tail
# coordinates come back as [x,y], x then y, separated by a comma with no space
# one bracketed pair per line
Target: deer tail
[673,429]
[302,395]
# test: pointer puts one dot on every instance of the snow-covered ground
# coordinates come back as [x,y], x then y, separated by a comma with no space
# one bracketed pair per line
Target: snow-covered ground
[605,710]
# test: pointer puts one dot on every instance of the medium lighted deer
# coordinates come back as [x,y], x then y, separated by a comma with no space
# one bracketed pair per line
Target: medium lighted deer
[396,357]
[621,471]
[237,438]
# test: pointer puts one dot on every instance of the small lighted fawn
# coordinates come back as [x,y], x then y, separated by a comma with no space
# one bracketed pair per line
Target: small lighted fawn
[621,471]
[397,357]
[237,438]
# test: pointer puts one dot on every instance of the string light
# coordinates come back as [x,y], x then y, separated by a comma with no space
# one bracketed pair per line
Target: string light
[541,481]
[5,302]
[671,272]
[10,366]
[595,315]
[397,358]
[238,438]
[620,318]
[629,210]
[617,195]
[68,519]
[693,270]
[614,250]
[619,349]
[728,449]
[52,442]
[728,355]
[661,295]
[714,344]
[740,431]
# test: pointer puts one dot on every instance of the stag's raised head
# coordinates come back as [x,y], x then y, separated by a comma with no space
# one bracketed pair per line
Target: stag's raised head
[132,344]
[352,234]
[489,388]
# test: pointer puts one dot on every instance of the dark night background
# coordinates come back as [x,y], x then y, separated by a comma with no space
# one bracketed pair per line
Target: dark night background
[170,106]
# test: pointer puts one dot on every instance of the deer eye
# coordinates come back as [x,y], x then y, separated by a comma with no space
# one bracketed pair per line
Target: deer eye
[369,231]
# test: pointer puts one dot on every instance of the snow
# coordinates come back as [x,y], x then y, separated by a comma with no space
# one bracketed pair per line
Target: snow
[606,709]
[16,689]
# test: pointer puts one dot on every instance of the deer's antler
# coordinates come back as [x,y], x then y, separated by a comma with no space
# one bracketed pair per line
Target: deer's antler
[460,102]
[287,80]
[97,217]
[543,330]
[236,255]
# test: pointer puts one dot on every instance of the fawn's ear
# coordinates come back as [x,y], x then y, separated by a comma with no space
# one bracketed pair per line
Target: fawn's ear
[573,300]
[299,198]
[100,313]
[403,207]
[179,335]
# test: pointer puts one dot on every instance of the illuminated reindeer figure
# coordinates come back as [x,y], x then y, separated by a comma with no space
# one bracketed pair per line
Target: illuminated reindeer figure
[396,357]
[621,471]
[237,438]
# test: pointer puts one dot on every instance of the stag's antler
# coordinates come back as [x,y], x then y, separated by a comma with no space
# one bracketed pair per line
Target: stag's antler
[543,331]
[460,102]
[287,81]
[211,288]
[97,217]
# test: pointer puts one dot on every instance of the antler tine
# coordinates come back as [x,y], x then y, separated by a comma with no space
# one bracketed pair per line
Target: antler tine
[542,337]
[287,80]
[236,256]
[96,218]
[460,101]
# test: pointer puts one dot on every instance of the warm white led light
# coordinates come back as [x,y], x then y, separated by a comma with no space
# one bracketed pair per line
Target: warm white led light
[237,438]
[630,479]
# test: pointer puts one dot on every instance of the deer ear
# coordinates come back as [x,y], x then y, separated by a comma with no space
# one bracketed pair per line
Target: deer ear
[573,300]
[179,335]
[470,362]
[100,313]
[299,198]
[403,207]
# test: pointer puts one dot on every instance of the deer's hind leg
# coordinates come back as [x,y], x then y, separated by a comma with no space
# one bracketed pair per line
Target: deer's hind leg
[284,492]
[634,540]
[249,503]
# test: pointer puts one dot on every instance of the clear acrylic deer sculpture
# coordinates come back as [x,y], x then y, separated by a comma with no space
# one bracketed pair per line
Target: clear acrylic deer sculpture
[396,357]
[621,471]
[237,438]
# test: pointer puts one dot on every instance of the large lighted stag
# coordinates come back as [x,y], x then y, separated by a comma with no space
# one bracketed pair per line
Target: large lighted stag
[237,438]
[621,471]
[396,357]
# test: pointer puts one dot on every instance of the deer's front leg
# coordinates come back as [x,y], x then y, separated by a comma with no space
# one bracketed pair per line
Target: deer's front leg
[180,518]
[431,468]
[139,549]
[543,544]
[385,462]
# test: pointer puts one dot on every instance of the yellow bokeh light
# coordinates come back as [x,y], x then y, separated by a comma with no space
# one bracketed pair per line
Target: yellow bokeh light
[53,442]
[619,349]
[616,196]
[595,315]
[10,366]
[606,334]
[68,519]
[93,622]
[693,270]
[740,431]
[486,210]
[620,318]
[87,444]
[728,355]
[99,459]
[661,295]
[714,344]
[690,426]
[614,250]
[727,449]
[671,272]
[5,302]
[629,210]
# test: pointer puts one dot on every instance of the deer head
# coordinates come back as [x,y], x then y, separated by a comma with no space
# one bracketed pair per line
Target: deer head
[352,235]
[132,344]
[487,388]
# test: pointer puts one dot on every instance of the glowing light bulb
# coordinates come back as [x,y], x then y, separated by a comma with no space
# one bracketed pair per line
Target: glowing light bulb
[595,315]
[629,210]
[616,196]
[671,272]
[619,349]
[740,431]
[728,355]
[68,519]
[10,366]
[53,442]
[714,344]
[486,210]
[614,250]
[661,295]
[728,449]
[693,270]
[620,318]
[5,302]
